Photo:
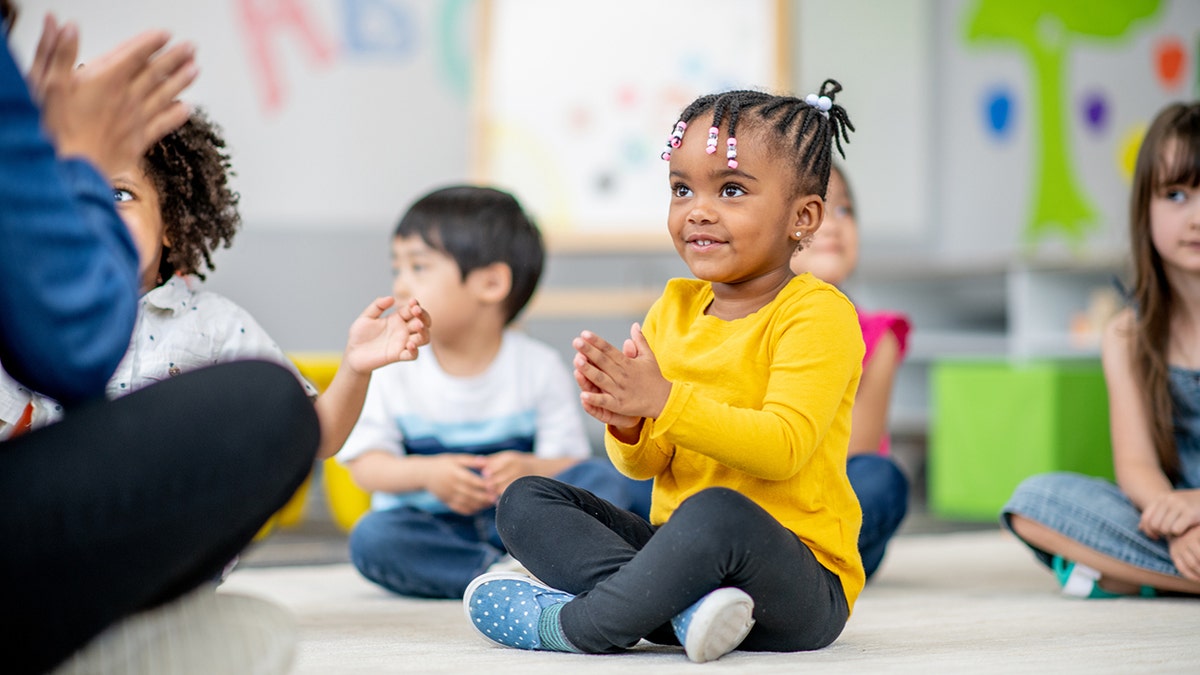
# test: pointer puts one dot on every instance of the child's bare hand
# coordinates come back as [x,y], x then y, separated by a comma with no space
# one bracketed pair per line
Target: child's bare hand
[606,416]
[502,468]
[1185,553]
[1172,514]
[418,321]
[626,382]
[376,340]
[456,482]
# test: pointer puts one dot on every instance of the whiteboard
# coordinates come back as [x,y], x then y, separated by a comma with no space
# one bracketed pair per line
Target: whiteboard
[335,111]
[576,101]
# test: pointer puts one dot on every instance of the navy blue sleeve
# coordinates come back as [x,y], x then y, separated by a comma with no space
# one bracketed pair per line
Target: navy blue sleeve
[68,267]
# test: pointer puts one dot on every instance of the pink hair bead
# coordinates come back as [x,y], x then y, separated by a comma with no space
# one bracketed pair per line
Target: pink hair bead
[731,152]
[677,135]
[712,140]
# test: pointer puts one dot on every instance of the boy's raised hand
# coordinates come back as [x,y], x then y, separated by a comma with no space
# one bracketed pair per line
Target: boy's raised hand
[376,340]
[619,387]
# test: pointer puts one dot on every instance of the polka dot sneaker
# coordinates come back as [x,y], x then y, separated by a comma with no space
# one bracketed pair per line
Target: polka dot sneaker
[514,610]
[715,625]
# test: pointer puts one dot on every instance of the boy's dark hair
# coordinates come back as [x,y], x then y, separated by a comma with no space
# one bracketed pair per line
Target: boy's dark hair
[792,125]
[190,170]
[478,226]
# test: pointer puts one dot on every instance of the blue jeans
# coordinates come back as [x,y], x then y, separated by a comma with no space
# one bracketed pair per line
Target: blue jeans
[435,555]
[882,491]
[1093,512]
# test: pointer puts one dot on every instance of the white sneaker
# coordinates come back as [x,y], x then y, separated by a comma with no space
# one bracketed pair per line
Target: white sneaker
[715,625]
[202,632]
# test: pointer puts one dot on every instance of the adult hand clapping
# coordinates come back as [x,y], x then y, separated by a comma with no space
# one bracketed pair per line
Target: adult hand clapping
[111,111]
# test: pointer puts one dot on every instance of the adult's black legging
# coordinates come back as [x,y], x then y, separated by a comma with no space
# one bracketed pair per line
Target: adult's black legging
[127,504]
[630,578]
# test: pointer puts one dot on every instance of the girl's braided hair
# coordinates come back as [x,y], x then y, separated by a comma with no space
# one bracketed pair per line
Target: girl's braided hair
[803,127]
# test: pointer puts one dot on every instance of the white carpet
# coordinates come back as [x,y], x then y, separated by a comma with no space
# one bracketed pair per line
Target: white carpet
[973,602]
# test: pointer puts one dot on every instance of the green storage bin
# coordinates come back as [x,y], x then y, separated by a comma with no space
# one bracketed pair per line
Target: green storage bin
[996,423]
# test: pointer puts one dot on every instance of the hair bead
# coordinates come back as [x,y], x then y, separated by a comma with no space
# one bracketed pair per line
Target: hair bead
[674,140]
[677,135]
[816,125]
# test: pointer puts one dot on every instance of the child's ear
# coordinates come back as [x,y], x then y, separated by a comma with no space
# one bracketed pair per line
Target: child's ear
[492,283]
[810,211]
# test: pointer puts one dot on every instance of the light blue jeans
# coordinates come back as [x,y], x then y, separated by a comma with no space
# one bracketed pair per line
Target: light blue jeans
[1093,512]
[435,555]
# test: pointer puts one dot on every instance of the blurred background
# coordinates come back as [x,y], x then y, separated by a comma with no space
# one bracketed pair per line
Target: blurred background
[990,164]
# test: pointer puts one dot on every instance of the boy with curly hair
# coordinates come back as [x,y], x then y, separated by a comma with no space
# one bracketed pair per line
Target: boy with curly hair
[179,207]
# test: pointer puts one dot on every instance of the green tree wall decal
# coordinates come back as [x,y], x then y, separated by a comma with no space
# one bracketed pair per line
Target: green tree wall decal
[1044,31]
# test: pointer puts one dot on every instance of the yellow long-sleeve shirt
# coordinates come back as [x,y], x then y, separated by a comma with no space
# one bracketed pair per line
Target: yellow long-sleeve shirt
[760,405]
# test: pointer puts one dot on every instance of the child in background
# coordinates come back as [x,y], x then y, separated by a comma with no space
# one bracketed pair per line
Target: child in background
[439,442]
[881,487]
[1141,535]
[735,397]
[179,208]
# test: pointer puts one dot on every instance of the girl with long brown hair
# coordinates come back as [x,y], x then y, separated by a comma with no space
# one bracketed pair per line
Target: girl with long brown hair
[1141,535]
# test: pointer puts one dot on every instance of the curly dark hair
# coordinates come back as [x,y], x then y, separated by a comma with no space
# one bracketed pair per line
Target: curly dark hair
[190,170]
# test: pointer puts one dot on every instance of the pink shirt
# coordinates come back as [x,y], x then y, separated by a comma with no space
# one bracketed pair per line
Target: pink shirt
[874,326]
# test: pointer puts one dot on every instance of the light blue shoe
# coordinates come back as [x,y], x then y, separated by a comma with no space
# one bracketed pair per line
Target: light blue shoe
[715,624]
[516,611]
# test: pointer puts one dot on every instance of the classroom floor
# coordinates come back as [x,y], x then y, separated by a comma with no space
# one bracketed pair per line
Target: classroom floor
[951,597]
[963,601]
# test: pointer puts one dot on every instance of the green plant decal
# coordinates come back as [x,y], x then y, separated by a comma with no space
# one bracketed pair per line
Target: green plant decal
[1044,31]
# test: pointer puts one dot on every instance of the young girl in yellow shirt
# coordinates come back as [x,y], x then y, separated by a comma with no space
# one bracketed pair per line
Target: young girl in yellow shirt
[735,397]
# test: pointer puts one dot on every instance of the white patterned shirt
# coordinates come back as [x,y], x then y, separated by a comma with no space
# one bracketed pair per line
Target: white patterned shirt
[178,329]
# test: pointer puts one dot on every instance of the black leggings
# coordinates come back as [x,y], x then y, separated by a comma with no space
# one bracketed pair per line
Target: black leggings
[127,504]
[630,578]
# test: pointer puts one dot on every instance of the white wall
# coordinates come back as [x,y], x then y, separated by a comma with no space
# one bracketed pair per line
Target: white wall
[373,107]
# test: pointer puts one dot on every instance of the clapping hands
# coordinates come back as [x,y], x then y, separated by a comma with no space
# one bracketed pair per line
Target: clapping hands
[619,387]
[111,111]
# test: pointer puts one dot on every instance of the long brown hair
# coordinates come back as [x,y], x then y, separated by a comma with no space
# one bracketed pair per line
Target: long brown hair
[1176,130]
